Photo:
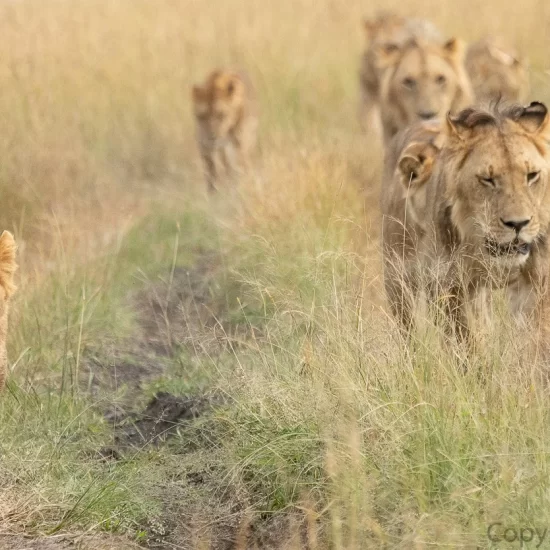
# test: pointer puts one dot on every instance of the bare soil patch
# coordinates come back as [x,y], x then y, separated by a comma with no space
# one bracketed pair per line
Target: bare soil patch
[66,542]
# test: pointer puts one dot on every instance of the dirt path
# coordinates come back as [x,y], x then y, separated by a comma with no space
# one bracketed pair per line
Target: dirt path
[203,504]
[66,542]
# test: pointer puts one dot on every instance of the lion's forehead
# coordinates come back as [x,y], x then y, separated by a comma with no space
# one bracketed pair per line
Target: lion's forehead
[505,152]
[396,33]
[221,81]
[418,62]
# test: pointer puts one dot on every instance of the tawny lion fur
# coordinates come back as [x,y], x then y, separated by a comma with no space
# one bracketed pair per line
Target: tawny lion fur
[487,220]
[226,117]
[420,81]
[496,71]
[385,31]
[408,167]
[8,267]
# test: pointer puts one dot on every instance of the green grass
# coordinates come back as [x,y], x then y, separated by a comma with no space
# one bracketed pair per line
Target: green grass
[276,289]
[53,462]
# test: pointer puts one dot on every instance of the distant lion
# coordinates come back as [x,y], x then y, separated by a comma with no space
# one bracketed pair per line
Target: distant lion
[7,288]
[496,72]
[422,81]
[385,31]
[487,219]
[227,120]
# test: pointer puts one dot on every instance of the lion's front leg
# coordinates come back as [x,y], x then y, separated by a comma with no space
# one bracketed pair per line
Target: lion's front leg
[466,317]
[401,292]
[453,305]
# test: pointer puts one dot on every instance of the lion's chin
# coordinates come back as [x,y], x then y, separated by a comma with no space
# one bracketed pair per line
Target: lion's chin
[513,252]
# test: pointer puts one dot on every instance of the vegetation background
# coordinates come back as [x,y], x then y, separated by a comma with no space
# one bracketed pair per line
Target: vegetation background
[297,416]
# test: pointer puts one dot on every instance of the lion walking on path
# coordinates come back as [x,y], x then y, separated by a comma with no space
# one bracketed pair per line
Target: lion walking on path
[485,220]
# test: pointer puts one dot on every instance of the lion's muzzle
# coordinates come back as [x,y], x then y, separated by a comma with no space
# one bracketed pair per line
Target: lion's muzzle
[516,247]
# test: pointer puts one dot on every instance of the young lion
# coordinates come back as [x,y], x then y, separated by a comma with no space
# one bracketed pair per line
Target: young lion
[226,116]
[488,215]
[407,170]
[496,72]
[386,31]
[7,288]
[422,81]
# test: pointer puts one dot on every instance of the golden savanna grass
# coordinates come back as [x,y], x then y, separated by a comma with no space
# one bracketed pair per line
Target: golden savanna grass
[329,420]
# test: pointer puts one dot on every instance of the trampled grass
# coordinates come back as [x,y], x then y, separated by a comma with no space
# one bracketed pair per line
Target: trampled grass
[268,296]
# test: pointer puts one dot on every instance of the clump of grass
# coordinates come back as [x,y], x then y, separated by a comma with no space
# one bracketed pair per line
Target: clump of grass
[395,443]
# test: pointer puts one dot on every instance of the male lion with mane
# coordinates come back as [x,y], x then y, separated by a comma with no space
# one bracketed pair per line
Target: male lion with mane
[487,216]
[422,81]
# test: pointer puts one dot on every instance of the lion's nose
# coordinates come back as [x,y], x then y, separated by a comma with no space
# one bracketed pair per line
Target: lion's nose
[518,225]
[427,115]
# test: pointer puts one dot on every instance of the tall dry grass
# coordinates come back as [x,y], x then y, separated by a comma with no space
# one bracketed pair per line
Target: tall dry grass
[388,444]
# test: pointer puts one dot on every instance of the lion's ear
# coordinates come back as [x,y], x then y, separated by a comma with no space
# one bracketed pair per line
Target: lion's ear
[415,164]
[534,118]
[454,48]
[371,28]
[454,129]
[234,88]
[411,169]
[231,86]
[461,127]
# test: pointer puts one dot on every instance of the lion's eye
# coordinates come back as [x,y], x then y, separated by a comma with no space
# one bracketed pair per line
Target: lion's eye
[533,177]
[409,83]
[441,80]
[488,182]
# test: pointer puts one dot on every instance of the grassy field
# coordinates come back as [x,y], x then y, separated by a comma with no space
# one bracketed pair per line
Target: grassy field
[288,411]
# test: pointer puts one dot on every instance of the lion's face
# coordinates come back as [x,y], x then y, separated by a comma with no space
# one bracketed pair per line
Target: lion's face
[500,192]
[218,103]
[422,82]
[425,86]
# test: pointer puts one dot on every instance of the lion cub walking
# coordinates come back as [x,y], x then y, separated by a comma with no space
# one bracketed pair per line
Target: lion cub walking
[7,288]
[227,121]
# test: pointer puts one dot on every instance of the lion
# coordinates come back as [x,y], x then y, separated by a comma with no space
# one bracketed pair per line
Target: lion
[422,81]
[487,217]
[408,167]
[8,267]
[496,72]
[227,121]
[385,31]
